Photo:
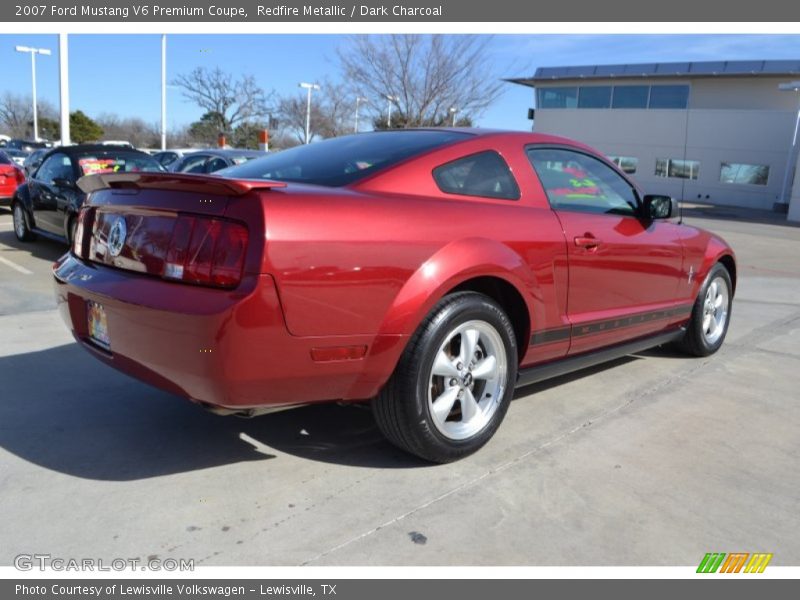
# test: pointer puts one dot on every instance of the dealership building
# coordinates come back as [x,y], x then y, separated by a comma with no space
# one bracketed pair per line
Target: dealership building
[720,132]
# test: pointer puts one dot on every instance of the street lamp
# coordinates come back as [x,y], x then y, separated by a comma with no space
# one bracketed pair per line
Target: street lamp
[163,92]
[359,100]
[33,52]
[63,87]
[454,112]
[309,87]
[391,99]
[792,86]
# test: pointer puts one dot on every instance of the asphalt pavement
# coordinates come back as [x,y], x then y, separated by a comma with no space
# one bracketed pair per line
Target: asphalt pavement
[654,459]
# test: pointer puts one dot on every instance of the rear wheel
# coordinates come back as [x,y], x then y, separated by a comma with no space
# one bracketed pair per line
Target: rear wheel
[21,227]
[454,382]
[710,314]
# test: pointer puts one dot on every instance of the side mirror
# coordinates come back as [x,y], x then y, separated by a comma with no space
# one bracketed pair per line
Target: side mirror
[63,183]
[660,207]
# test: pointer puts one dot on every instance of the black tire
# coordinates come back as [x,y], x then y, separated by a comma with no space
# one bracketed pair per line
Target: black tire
[402,410]
[696,342]
[22,228]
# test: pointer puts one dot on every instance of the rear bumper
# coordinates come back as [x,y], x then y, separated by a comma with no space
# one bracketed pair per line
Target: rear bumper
[224,348]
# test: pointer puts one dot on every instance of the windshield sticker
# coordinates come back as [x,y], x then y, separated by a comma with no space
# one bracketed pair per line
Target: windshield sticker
[95,166]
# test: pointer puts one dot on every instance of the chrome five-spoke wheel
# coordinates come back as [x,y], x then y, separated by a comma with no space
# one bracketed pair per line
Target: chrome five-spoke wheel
[467,380]
[715,310]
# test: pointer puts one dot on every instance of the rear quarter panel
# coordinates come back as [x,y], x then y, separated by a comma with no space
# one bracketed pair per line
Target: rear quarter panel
[369,263]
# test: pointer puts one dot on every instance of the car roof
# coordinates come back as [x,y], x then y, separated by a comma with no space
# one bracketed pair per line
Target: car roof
[227,152]
[84,148]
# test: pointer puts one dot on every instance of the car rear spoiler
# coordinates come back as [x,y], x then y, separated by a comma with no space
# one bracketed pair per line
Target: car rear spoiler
[183,182]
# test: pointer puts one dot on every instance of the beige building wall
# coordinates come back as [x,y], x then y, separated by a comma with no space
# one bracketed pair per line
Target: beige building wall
[736,120]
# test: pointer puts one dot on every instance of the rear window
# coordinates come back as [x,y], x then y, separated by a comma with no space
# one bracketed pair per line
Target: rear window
[485,174]
[344,160]
[116,162]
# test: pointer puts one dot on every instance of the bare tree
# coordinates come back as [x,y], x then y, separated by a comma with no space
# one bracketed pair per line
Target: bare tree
[337,107]
[16,114]
[427,75]
[233,101]
[132,129]
[291,115]
[332,112]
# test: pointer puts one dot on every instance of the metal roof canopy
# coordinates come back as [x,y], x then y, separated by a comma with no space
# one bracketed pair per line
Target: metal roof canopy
[727,68]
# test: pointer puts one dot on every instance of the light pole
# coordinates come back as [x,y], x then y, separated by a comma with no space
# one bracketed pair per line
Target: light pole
[163,92]
[33,52]
[359,100]
[454,112]
[391,99]
[308,87]
[63,87]
[792,86]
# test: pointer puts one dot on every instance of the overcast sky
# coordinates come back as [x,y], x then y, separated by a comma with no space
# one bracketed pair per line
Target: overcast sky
[122,73]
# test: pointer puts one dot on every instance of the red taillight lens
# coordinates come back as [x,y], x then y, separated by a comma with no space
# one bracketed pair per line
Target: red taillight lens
[201,251]
[79,244]
[206,251]
[20,174]
[229,255]
[179,245]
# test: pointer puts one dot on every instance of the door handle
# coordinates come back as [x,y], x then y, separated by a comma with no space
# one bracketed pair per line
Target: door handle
[588,242]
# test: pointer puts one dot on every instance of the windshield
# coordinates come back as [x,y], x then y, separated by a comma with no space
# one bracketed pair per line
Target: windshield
[343,160]
[112,161]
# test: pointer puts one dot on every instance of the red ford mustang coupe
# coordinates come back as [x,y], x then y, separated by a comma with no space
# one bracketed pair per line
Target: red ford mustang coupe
[427,271]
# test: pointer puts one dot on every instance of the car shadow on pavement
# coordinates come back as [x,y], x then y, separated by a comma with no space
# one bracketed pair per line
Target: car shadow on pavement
[43,248]
[64,411]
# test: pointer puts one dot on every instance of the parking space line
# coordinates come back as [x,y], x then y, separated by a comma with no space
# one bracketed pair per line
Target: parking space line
[15,266]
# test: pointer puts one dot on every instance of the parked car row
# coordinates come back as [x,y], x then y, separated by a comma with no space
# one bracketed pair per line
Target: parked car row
[207,161]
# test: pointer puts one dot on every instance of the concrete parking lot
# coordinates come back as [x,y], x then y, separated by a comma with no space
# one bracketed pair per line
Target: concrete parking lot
[655,459]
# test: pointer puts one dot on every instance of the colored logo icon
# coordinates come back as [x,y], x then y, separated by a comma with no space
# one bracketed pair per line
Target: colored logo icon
[735,562]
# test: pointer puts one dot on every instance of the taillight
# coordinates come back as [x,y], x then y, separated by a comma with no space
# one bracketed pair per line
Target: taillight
[80,245]
[20,175]
[206,251]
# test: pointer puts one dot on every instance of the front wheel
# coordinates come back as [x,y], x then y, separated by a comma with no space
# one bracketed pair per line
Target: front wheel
[454,382]
[710,315]
[21,228]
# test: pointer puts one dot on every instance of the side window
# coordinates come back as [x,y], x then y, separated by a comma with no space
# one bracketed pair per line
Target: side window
[577,182]
[65,169]
[166,158]
[485,174]
[215,164]
[58,165]
[194,164]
